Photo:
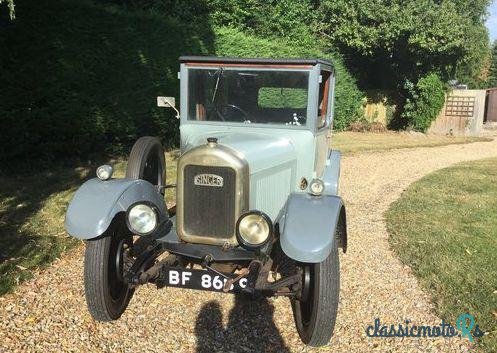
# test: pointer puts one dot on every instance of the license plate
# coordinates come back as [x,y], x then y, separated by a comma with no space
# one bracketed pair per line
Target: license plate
[200,279]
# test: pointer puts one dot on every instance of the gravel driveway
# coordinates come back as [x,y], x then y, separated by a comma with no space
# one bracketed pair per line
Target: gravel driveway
[49,314]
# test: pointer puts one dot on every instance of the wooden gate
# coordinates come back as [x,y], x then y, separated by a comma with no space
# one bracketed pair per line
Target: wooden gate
[491,106]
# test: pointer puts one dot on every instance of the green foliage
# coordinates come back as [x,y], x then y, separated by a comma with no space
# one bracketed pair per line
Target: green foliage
[88,71]
[11,6]
[472,64]
[295,19]
[492,75]
[80,77]
[282,97]
[425,99]
[104,73]
[71,86]
[348,97]
[391,41]
[274,28]
[292,19]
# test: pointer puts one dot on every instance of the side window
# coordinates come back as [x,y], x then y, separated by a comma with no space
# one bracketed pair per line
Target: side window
[324,93]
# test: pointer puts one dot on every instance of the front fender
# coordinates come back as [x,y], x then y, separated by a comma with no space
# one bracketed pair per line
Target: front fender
[96,203]
[309,225]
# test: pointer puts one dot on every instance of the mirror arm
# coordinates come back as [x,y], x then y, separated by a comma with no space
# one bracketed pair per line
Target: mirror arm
[168,102]
[176,110]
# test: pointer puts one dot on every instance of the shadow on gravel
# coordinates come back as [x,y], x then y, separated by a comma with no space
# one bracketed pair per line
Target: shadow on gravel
[250,328]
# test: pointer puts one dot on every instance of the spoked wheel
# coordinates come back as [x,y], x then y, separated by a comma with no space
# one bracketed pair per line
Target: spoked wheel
[106,261]
[108,257]
[315,313]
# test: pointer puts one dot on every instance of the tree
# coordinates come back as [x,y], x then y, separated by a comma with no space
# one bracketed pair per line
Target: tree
[400,40]
[10,5]
[492,76]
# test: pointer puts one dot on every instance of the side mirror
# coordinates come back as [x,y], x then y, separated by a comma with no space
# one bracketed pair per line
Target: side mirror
[168,102]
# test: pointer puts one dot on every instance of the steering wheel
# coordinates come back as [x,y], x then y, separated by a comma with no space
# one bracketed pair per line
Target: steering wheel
[234,107]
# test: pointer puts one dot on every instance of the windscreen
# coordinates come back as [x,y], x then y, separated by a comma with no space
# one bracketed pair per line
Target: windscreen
[248,96]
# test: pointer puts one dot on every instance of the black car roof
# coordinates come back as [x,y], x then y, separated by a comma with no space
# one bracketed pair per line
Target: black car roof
[231,60]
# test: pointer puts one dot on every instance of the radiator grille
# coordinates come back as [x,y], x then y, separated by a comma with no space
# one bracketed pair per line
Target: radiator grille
[209,210]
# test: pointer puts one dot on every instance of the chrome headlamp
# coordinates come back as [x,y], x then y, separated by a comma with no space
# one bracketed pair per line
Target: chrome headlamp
[253,229]
[104,172]
[142,218]
[316,187]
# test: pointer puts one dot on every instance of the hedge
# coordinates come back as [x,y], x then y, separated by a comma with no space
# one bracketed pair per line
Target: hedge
[348,97]
[424,102]
[80,77]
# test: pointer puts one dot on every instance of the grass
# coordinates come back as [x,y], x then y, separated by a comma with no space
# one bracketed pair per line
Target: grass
[32,209]
[445,228]
[351,142]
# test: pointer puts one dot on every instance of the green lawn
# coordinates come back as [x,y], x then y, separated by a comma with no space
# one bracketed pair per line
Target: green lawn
[32,209]
[445,228]
[351,142]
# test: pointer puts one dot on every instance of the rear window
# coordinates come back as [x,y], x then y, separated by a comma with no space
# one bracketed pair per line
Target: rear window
[282,98]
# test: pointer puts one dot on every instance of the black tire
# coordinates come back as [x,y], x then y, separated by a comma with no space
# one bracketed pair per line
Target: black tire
[315,316]
[146,161]
[107,294]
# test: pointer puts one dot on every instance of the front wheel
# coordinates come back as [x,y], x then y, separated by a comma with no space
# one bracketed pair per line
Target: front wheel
[315,314]
[107,293]
[146,161]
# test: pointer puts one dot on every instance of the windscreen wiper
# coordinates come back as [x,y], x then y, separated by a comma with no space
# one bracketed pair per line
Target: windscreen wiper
[219,74]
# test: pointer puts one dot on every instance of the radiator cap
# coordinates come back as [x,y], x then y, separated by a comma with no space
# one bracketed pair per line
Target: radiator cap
[212,141]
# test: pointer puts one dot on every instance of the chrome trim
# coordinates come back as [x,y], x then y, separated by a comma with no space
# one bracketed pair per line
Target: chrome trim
[213,154]
[206,179]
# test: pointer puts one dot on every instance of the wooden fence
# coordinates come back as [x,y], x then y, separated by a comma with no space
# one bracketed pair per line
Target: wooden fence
[462,114]
[491,108]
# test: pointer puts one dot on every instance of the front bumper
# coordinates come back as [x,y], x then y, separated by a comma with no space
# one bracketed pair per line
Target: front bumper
[172,244]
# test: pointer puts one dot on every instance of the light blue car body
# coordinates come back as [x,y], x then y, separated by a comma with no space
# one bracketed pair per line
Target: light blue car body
[279,158]
[97,202]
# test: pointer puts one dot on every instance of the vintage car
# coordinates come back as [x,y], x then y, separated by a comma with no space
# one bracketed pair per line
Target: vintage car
[257,211]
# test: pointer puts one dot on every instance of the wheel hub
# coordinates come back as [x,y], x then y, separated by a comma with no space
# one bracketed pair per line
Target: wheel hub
[306,283]
[122,257]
